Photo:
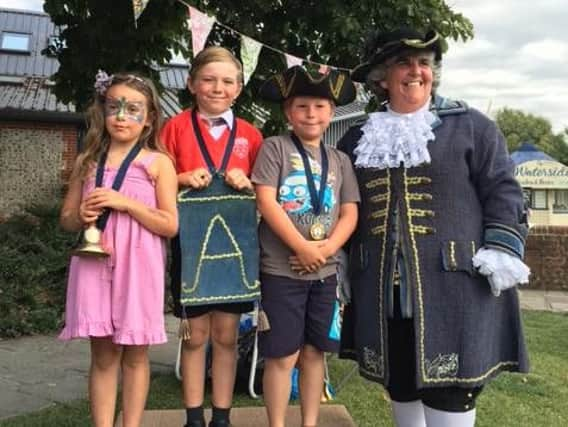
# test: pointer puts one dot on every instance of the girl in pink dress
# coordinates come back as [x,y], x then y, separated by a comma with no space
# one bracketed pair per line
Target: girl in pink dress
[117,301]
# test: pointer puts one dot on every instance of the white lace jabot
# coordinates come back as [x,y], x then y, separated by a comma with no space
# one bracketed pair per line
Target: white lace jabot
[391,139]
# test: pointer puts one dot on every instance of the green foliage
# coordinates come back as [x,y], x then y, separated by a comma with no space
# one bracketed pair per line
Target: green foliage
[101,34]
[33,264]
[520,127]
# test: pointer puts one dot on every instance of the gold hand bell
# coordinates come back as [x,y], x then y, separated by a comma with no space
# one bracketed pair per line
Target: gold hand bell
[91,245]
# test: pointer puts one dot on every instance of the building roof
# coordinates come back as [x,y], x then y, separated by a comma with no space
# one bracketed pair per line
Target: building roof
[527,153]
[26,91]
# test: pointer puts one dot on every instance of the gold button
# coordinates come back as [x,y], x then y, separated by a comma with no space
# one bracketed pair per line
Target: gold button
[466,406]
[470,395]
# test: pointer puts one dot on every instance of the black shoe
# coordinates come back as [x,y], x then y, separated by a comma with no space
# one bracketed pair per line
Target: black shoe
[220,423]
[196,423]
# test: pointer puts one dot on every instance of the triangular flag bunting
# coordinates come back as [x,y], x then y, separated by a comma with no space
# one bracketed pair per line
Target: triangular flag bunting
[250,50]
[201,25]
[138,6]
[324,69]
[292,60]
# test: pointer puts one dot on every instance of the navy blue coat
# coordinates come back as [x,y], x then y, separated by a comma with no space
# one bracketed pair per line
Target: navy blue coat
[464,199]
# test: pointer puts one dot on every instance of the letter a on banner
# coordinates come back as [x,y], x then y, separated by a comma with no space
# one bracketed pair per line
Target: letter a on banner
[201,25]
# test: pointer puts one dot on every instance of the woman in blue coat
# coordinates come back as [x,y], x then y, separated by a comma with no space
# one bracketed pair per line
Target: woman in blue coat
[437,253]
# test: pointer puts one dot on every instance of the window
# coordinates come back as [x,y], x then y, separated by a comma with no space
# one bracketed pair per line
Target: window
[560,204]
[539,199]
[18,42]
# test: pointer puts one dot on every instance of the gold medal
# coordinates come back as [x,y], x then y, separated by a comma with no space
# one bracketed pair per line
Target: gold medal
[317,231]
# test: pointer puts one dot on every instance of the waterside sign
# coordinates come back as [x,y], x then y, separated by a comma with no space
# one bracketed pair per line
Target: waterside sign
[542,174]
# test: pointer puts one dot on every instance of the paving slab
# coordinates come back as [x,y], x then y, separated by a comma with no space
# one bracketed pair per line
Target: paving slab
[38,371]
[330,416]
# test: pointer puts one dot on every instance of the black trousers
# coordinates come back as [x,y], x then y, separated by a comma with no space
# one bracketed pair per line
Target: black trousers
[402,369]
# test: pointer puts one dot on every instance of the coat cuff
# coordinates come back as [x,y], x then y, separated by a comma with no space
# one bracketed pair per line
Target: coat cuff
[502,237]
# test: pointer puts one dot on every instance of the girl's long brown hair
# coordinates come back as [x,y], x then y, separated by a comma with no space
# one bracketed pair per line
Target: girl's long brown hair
[97,139]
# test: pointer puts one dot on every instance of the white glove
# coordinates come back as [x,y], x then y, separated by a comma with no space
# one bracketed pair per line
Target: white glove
[503,271]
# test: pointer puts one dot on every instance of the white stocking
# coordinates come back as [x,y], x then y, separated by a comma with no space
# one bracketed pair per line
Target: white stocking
[437,418]
[408,414]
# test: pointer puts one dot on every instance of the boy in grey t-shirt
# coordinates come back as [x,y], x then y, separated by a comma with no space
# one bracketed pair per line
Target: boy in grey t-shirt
[307,195]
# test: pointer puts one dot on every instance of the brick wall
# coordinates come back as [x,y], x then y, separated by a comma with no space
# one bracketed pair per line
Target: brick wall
[35,160]
[547,256]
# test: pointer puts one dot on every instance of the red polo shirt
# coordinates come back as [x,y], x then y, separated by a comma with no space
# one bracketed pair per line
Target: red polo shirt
[179,138]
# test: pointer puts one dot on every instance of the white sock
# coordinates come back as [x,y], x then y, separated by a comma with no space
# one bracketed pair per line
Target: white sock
[437,418]
[408,414]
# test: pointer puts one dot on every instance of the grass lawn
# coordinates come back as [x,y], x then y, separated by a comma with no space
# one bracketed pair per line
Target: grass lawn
[537,399]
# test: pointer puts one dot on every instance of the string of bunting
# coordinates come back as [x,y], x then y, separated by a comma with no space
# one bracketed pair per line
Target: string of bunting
[201,25]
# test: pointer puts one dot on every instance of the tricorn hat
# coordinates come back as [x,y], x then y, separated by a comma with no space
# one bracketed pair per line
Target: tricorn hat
[296,81]
[387,45]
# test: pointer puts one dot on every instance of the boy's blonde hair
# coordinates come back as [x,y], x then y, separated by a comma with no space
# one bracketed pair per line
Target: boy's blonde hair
[97,139]
[214,54]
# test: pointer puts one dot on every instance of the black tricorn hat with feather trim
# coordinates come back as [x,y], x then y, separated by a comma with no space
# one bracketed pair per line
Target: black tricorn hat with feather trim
[387,45]
[296,81]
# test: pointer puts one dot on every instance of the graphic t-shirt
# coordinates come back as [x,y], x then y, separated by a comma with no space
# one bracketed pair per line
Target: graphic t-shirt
[280,165]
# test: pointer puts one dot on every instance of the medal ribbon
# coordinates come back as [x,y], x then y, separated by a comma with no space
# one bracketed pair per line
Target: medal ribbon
[316,199]
[118,179]
[203,148]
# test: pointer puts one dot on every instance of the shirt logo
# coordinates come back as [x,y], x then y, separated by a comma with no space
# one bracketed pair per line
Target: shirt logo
[241,148]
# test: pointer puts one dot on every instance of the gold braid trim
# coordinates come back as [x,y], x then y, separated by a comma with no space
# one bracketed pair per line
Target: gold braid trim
[203,256]
[422,229]
[471,380]
[380,198]
[378,214]
[188,301]
[453,262]
[380,229]
[285,88]
[421,213]
[414,248]
[382,271]
[182,199]
[336,89]
[376,182]
[418,196]
[417,180]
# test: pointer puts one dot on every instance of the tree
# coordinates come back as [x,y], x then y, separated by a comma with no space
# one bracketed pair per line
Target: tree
[520,127]
[101,34]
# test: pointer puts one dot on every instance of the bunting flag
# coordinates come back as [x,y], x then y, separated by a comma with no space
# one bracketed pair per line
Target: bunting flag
[324,69]
[138,6]
[201,25]
[250,51]
[292,60]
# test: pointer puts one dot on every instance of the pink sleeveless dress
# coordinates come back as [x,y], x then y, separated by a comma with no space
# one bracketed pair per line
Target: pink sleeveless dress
[121,296]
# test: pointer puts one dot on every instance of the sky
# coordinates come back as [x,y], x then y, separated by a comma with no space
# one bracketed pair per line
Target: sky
[517,59]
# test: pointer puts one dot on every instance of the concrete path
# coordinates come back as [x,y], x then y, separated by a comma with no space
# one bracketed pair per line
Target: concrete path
[37,371]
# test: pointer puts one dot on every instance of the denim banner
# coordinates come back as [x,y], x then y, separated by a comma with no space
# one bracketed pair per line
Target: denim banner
[219,245]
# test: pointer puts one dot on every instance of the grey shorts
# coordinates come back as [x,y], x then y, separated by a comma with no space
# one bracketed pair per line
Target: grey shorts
[299,312]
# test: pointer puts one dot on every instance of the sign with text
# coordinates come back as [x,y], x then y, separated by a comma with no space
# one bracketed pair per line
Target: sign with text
[542,174]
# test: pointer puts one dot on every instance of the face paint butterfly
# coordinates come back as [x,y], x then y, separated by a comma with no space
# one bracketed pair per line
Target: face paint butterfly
[124,109]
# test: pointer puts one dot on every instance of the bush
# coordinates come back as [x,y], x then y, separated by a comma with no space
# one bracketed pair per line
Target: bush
[34,254]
